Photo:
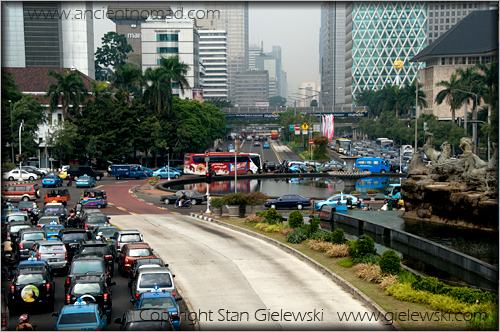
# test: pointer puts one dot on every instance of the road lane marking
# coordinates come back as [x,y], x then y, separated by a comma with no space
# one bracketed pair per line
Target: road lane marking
[120,208]
[135,214]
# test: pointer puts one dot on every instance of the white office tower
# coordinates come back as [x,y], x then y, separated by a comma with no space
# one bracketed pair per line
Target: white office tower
[169,37]
[213,57]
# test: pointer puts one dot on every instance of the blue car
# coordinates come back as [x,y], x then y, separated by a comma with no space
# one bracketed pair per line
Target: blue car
[160,300]
[52,180]
[81,316]
[85,181]
[230,148]
[332,201]
[266,146]
[52,230]
[162,173]
[298,168]
[149,172]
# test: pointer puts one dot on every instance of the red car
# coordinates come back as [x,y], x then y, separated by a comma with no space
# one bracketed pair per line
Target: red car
[130,252]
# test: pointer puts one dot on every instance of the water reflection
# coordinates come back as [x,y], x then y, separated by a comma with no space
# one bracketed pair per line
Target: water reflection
[307,187]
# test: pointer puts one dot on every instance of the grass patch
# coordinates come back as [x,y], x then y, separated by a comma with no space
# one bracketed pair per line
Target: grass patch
[372,290]
[346,262]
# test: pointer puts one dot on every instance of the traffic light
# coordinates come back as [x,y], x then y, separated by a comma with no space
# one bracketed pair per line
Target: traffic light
[208,175]
[18,157]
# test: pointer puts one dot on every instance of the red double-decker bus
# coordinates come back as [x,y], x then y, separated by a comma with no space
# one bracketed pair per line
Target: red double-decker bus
[222,163]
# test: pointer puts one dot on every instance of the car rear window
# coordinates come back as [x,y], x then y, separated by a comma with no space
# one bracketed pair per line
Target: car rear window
[149,280]
[157,325]
[130,238]
[17,217]
[17,228]
[108,232]
[53,210]
[74,236]
[46,221]
[30,278]
[78,318]
[163,302]
[52,248]
[87,267]
[97,220]
[95,249]
[87,288]
[33,236]
[139,252]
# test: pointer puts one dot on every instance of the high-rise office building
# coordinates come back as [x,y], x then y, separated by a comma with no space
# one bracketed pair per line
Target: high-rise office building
[162,38]
[48,34]
[379,33]
[443,15]
[254,51]
[231,17]
[213,56]
[269,62]
[333,60]
[251,86]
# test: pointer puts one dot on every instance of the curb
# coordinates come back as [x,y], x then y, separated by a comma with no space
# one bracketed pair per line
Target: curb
[339,280]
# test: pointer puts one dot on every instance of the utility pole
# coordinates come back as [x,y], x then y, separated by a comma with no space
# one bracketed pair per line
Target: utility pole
[21,127]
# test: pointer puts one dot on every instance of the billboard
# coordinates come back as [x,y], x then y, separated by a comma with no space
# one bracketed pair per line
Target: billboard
[261,104]
[198,94]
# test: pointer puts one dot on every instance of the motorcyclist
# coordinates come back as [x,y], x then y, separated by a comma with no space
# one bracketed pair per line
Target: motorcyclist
[24,324]
[182,199]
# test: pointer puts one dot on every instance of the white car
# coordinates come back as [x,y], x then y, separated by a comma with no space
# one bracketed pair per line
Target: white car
[14,175]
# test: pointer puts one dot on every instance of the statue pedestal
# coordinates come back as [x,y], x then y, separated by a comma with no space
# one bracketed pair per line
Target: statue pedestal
[350,161]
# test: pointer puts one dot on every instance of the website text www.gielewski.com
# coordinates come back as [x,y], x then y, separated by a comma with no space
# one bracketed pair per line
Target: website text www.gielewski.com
[122,14]
[318,315]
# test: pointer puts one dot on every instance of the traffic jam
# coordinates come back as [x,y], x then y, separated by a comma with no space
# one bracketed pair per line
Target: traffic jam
[75,256]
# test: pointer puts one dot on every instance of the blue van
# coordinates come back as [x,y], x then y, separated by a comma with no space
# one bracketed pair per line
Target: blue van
[393,191]
[372,164]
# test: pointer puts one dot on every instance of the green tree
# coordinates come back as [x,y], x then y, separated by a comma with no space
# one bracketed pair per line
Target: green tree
[176,74]
[128,78]
[28,110]
[449,95]
[158,91]
[68,90]
[369,98]
[63,141]
[277,101]
[10,95]
[320,150]
[314,103]
[219,103]
[113,52]
[395,99]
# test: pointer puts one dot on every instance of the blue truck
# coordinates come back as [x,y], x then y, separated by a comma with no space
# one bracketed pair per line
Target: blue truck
[128,171]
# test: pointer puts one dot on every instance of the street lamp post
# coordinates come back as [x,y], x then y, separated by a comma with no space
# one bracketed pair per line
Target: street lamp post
[235,167]
[416,108]
[474,119]
[11,138]
[168,163]
[21,127]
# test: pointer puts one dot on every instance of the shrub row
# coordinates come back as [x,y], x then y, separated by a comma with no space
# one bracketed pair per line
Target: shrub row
[464,294]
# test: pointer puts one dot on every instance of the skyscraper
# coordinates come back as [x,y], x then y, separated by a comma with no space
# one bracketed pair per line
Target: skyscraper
[231,17]
[213,56]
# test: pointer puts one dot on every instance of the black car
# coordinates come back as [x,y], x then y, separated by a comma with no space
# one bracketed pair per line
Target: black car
[30,264]
[55,210]
[289,202]
[25,240]
[71,237]
[31,287]
[95,220]
[91,288]
[146,320]
[194,196]
[142,262]
[13,228]
[271,167]
[87,264]
[78,170]
[98,247]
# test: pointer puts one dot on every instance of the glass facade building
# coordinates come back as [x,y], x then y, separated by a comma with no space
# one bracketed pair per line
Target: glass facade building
[383,32]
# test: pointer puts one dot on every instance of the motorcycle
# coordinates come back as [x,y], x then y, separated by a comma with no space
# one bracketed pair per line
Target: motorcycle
[70,181]
[187,204]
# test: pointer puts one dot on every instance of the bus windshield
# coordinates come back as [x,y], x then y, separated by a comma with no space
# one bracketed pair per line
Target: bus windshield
[343,146]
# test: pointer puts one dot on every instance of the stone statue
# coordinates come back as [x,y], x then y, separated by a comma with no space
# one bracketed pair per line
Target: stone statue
[428,147]
[475,168]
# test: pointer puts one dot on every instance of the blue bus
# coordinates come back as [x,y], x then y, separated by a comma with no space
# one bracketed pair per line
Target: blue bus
[372,164]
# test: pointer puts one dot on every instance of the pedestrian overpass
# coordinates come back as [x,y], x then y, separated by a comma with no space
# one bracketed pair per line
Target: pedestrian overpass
[253,112]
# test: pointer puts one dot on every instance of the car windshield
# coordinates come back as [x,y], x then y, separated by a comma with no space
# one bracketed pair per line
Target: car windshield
[149,280]
[95,249]
[87,288]
[87,267]
[74,236]
[83,178]
[17,217]
[162,302]
[33,236]
[17,228]
[30,278]
[139,252]
[157,325]
[78,318]
[130,238]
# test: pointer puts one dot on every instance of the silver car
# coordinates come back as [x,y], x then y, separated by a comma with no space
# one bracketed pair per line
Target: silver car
[53,252]
[149,277]
[120,238]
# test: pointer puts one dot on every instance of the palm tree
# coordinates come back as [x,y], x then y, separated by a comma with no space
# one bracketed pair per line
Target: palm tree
[158,91]
[394,98]
[68,90]
[176,70]
[128,78]
[490,81]
[449,94]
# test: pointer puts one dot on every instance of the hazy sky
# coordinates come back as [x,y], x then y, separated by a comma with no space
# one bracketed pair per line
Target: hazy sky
[292,25]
